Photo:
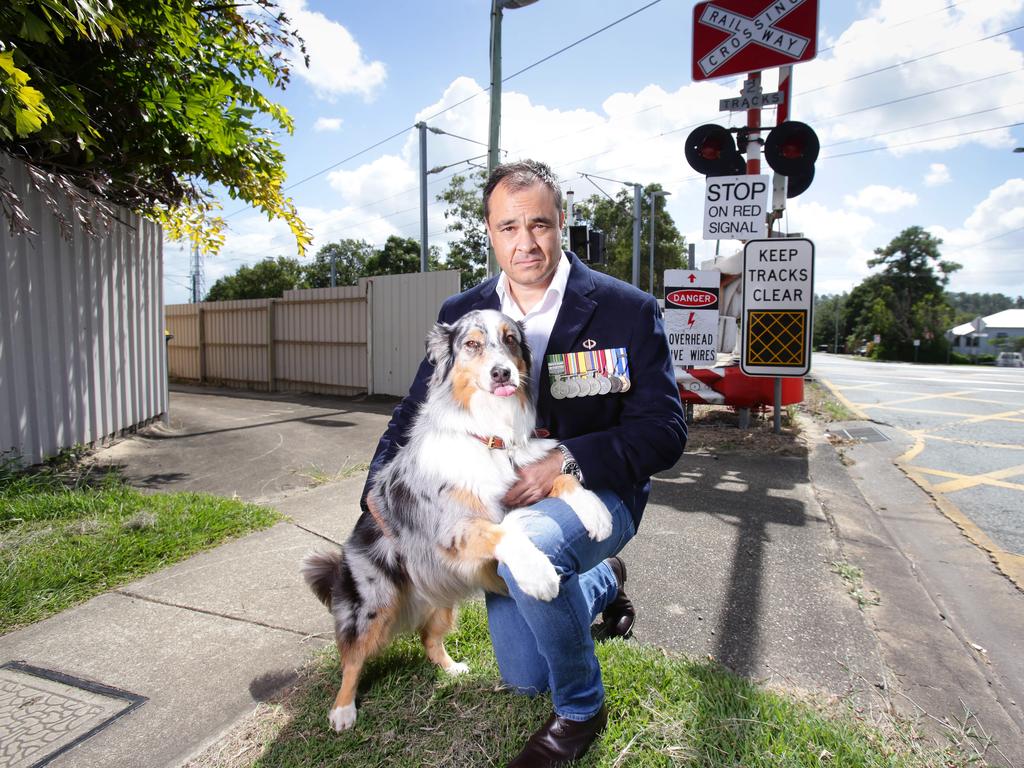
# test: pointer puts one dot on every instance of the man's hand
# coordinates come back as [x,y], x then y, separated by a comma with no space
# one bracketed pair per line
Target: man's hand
[535,481]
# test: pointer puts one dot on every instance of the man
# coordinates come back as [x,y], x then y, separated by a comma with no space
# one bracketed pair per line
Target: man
[613,436]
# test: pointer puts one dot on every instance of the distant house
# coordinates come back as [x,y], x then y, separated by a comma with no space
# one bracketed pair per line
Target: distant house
[977,337]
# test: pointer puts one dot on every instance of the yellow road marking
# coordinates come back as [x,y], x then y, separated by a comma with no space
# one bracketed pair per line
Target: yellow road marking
[968,418]
[1009,563]
[850,405]
[919,398]
[962,441]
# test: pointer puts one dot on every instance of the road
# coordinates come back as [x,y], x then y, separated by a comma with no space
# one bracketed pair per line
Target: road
[967,429]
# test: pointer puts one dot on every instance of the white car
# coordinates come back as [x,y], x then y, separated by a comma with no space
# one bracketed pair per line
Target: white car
[1010,360]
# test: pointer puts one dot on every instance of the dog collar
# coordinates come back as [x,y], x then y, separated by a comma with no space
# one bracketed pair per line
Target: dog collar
[493,441]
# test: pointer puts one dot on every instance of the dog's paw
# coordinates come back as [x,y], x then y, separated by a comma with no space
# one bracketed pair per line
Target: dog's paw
[592,513]
[343,718]
[530,567]
[457,668]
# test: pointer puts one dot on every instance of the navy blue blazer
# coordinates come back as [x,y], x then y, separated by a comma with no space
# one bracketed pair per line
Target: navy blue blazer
[618,439]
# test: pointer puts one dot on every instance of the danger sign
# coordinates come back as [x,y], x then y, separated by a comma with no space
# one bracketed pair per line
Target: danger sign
[734,207]
[731,37]
[691,315]
[778,293]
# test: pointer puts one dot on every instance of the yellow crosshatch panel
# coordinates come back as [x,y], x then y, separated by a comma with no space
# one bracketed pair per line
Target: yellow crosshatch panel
[776,337]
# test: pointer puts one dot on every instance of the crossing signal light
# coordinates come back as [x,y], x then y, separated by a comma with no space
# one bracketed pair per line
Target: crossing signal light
[587,243]
[711,151]
[791,150]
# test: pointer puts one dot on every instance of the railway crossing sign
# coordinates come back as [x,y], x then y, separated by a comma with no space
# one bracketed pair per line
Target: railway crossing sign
[691,315]
[733,37]
[778,293]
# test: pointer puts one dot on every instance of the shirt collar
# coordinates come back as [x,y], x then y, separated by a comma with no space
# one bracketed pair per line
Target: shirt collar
[555,291]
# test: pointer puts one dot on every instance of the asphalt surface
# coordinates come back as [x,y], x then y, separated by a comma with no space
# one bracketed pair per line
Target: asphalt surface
[965,431]
[734,559]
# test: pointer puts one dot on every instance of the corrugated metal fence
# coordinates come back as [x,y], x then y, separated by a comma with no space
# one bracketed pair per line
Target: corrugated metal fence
[341,341]
[81,338]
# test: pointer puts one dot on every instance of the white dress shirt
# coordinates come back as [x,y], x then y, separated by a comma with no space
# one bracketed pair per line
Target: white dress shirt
[540,320]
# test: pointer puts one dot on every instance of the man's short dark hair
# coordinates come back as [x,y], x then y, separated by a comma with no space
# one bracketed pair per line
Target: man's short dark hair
[518,176]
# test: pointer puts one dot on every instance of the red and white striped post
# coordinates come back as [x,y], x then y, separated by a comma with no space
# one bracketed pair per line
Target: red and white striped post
[754,129]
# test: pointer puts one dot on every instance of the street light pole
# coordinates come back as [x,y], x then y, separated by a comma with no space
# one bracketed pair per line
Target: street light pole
[495,118]
[654,209]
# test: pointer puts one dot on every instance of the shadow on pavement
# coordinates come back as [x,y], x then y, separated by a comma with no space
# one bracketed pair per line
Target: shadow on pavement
[734,502]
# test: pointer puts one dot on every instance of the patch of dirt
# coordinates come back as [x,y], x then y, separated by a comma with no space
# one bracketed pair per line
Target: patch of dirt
[715,429]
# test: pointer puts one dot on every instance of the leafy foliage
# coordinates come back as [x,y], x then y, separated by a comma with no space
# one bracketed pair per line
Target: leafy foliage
[353,259]
[971,305]
[465,216]
[150,104]
[614,217]
[904,302]
[267,279]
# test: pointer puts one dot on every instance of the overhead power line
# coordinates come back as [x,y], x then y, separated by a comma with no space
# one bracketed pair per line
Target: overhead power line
[910,61]
[923,141]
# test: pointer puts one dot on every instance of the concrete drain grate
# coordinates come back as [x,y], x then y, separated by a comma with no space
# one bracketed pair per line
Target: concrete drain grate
[45,713]
[867,434]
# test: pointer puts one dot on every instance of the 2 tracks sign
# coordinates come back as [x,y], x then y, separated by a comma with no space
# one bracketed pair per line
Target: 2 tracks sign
[731,37]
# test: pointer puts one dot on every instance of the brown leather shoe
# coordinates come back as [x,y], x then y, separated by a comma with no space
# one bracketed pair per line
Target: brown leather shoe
[620,614]
[560,741]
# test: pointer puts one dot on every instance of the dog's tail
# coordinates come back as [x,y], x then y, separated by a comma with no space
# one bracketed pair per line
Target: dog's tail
[320,570]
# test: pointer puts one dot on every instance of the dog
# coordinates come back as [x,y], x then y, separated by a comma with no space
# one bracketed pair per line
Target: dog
[436,528]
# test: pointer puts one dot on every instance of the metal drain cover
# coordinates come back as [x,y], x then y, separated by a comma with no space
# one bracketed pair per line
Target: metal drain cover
[867,434]
[45,713]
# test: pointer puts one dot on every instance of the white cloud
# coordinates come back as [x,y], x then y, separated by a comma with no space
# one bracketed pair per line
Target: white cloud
[988,243]
[938,174]
[835,97]
[881,199]
[327,124]
[336,61]
[843,243]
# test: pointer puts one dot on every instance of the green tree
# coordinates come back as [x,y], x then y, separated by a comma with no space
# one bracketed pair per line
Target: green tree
[464,213]
[971,305]
[267,279]
[905,301]
[150,104]
[399,256]
[830,322]
[614,217]
[351,260]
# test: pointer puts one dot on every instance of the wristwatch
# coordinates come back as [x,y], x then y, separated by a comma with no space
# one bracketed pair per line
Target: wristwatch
[569,464]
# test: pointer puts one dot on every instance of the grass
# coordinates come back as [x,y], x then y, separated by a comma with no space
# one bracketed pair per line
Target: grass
[823,405]
[854,578]
[67,535]
[667,710]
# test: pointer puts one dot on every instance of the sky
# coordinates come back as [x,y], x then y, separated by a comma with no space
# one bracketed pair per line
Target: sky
[918,107]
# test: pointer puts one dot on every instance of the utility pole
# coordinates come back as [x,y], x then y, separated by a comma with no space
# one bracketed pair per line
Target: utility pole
[422,127]
[196,275]
[637,193]
[654,210]
[495,117]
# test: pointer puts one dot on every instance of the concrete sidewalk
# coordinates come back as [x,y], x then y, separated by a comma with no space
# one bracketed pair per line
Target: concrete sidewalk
[734,559]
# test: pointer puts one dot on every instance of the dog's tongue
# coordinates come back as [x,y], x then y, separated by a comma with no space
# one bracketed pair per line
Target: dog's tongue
[505,391]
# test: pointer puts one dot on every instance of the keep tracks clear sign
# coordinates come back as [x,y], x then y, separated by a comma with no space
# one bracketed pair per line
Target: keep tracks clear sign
[778,293]
[691,315]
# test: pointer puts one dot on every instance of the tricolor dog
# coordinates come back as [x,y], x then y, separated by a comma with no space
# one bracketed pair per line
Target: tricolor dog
[437,527]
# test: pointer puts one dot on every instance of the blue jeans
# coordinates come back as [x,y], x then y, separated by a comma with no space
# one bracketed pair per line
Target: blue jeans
[542,645]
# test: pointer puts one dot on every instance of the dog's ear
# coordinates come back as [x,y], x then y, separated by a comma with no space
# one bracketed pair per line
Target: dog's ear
[439,348]
[525,346]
